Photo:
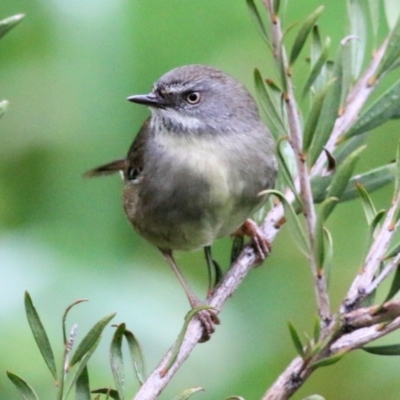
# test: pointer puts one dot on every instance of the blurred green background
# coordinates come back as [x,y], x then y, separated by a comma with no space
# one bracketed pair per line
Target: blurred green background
[67,70]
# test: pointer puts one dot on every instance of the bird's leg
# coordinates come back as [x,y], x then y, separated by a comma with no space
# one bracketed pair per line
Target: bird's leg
[214,271]
[258,238]
[208,317]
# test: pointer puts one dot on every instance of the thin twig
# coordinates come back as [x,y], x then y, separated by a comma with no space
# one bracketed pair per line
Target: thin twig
[375,256]
[296,141]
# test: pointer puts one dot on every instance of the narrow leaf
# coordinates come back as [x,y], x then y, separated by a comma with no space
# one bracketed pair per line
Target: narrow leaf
[177,345]
[82,366]
[64,317]
[117,362]
[374,17]
[108,392]
[82,386]
[389,350]
[392,53]
[314,116]
[358,29]
[392,12]
[371,181]
[376,221]
[273,117]
[303,34]
[296,339]
[258,22]
[347,70]
[393,251]
[323,213]
[329,360]
[316,51]
[395,286]
[318,67]
[186,394]
[40,335]
[328,257]
[3,107]
[397,176]
[90,339]
[329,114]
[317,330]
[296,229]
[284,168]
[347,147]
[22,386]
[367,203]
[382,110]
[7,24]
[343,173]
[137,357]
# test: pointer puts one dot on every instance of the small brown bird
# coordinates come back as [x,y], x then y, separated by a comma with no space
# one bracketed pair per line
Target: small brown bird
[195,169]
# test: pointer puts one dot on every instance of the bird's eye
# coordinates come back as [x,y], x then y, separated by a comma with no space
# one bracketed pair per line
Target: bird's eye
[192,97]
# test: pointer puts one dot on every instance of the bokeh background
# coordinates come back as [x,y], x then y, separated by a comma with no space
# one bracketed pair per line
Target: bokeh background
[67,70]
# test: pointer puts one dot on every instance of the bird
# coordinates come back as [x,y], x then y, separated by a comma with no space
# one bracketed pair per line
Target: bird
[196,168]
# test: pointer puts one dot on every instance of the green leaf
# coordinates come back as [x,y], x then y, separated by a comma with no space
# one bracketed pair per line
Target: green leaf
[382,110]
[358,28]
[7,24]
[117,361]
[392,12]
[188,393]
[274,119]
[82,386]
[3,107]
[314,117]
[347,147]
[319,231]
[371,181]
[392,53]
[341,178]
[177,345]
[40,335]
[284,167]
[397,176]
[395,286]
[323,213]
[347,71]
[296,230]
[316,51]
[367,203]
[296,340]
[64,317]
[376,221]
[388,350]
[82,366]
[22,386]
[329,114]
[303,34]
[317,330]
[374,17]
[235,398]
[90,339]
[393,251]
[258,22]
[329,360]
[108,392]
[317,67]
[137,357]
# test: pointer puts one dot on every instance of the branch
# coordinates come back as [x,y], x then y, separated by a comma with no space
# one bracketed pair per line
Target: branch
[366,324]
[296,141]
[229,283]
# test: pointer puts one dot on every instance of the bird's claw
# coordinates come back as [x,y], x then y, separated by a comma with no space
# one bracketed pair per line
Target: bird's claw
[208,319]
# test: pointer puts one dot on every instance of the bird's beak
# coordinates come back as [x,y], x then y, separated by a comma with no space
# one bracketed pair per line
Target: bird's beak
[151,100]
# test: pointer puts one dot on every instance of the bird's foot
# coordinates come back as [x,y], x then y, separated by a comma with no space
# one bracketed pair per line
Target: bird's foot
[257,236]
[208,319]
